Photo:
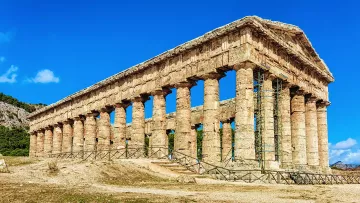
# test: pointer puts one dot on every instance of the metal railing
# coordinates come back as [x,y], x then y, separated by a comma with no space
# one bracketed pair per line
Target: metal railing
[203,168]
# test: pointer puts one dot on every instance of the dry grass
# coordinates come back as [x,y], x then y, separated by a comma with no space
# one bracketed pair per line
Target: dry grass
[46,193]
[18,160]
[123,175]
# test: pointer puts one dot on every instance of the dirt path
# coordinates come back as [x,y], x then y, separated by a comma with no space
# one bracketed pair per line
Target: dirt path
[141,181]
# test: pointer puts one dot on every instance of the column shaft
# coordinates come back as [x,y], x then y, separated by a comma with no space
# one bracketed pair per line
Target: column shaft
[193,141]
[67,137]
[323,137]
[40,144]
[120,126]
[312,143]
[211,146]
[57,139]
[244,117]
[183,118]
[226,140]
[298,131]
[104,131]
[90,134]
[159,136]
[33,139]
[138,123]
[78,141]
[48,142]
[286,148]
[268,124]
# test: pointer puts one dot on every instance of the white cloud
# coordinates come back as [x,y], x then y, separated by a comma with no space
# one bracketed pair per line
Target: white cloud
[45,76]
[353,157]
[345,144]
[2,59]
[6,37]
[9,76]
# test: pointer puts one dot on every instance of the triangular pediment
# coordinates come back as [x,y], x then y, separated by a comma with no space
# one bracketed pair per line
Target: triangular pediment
[296,39]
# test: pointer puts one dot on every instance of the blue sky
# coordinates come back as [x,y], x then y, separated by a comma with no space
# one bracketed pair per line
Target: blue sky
[51,49]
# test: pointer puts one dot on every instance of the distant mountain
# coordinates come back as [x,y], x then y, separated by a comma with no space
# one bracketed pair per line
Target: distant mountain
[342,166]
[13,113]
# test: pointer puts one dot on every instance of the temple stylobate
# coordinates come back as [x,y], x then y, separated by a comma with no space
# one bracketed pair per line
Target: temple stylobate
[279,111]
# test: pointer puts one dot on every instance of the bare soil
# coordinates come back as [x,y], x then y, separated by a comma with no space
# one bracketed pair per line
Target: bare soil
[30,180]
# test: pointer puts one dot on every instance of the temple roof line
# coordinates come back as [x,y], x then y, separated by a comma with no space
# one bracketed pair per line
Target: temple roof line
[193,43]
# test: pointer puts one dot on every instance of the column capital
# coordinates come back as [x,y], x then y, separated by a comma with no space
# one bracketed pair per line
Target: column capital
[311,99]
[141,98]
[123,104]
[188,84]
[245,65]
[68,121]
[107,109]
[79,118]
[41,130]
[213,75]
[92,114]
[269,76]
[48,127]
[161,91]
[323,103]
[58,125]
[229,120]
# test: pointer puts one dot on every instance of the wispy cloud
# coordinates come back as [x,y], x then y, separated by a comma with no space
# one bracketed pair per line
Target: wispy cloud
[345,151]
[6,37]
[2,59]
[9,76]
[345,144]
[45,76]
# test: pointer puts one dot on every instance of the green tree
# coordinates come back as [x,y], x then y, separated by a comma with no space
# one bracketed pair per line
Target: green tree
[14,141]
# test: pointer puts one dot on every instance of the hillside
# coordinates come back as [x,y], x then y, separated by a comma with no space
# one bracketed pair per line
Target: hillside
[13,113]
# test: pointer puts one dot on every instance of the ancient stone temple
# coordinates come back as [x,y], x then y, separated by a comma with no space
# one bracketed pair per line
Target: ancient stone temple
[279,111]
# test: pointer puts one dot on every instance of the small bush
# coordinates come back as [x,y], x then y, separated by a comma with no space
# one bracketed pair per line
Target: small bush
[53,168]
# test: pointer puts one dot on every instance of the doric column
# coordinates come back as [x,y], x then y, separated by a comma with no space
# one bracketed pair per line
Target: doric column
[57,139]
[33,141]
[78,141]
[211,145]
[323,136]
[159,136]
[193,141]
[183,118]
[226,140]
[120,125]
[48,142]
[67,137]
[244,116]
[104,130]
[138,123]
[267,104]
[298,130]
[90,134]
[40,143]
[312,143]
[284,107]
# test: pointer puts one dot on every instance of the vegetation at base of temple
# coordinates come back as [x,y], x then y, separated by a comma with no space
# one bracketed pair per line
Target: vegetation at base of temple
[11,100]
[14,141]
